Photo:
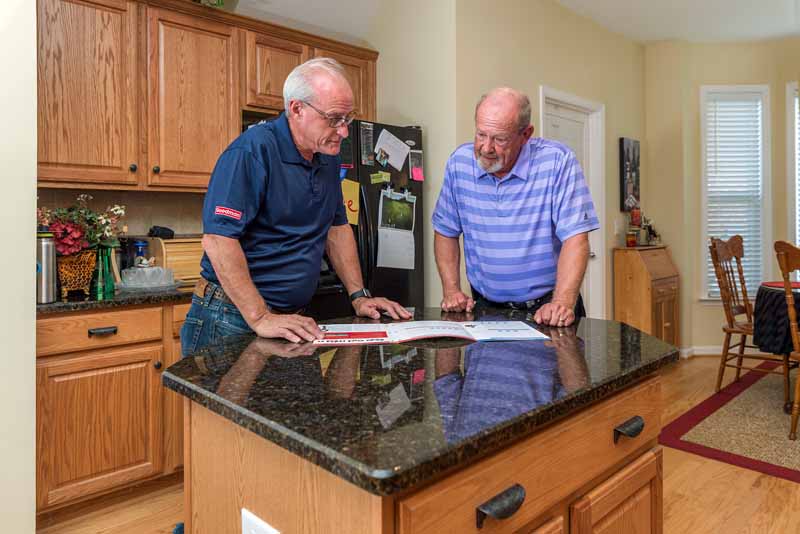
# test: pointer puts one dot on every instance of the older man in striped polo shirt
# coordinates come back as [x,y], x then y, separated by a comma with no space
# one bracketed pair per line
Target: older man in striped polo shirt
[525,211]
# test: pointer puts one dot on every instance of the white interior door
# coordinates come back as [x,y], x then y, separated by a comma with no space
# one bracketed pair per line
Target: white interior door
[570,125]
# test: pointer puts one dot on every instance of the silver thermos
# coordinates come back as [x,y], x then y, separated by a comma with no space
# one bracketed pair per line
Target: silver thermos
[45,268]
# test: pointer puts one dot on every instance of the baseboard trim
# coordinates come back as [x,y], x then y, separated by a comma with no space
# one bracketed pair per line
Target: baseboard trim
[708,350]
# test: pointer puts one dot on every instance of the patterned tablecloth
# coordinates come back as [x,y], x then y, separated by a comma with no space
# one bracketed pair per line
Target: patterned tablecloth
[771,332]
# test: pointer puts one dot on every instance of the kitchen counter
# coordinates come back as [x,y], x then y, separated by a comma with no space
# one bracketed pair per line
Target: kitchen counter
[389,418]
[120,300]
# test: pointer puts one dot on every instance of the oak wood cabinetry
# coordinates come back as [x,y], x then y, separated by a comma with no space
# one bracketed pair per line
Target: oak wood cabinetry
[87,87]
[646,291]
[103,419]
[145,94]
[193,108]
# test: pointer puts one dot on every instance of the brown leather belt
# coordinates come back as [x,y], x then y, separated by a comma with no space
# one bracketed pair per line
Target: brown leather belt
[203,286]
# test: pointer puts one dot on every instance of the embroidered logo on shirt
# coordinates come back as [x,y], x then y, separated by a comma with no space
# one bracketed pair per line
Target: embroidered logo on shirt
[228,212]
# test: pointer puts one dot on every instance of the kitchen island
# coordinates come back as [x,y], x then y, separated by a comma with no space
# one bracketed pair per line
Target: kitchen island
[427,437]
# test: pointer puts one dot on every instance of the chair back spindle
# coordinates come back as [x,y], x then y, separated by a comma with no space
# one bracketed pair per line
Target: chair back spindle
[789,261]
[727,259]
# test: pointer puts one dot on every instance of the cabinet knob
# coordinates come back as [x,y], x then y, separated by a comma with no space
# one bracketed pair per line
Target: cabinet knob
[156,169]
[133,167]
[157,365]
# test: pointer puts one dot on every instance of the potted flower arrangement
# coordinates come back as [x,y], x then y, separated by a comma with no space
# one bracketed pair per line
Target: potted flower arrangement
[81,235]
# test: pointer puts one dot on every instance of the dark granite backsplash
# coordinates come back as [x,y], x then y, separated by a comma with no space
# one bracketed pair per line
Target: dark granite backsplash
[388,417]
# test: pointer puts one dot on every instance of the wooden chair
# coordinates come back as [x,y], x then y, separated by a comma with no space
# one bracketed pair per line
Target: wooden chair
[733,293]
[789,261]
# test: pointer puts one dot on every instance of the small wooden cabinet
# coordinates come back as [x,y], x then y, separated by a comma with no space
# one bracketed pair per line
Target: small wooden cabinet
[193,107]
[103,419]
[647,291]
[268,61]
[361,75]
[87,91]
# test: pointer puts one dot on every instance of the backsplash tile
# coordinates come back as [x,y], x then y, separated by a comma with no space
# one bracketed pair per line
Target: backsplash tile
[182,212]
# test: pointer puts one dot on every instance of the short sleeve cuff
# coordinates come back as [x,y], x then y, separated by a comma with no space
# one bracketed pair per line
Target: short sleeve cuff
[445,230]
[564,234]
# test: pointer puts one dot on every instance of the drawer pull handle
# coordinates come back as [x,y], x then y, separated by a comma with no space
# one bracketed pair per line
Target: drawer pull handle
[104,331]
[501,506]
[630,428]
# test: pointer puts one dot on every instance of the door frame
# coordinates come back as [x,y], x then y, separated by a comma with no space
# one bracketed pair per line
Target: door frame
[596,271]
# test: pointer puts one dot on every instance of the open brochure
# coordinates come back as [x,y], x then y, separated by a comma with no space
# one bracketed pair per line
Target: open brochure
[365,334]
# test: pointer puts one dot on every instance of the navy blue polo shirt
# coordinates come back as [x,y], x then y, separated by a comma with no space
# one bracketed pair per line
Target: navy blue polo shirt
[280,208]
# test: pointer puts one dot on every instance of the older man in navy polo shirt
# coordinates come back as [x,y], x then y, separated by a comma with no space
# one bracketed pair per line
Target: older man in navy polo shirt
[525,211]
[274,204]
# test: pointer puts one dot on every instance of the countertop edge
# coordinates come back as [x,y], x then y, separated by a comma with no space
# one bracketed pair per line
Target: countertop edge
[120,301]
[385,482]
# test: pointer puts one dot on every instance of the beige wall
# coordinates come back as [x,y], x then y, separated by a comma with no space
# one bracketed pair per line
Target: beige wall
[17,224]
[525,44]
[416,85]
[181,212]
[671,187]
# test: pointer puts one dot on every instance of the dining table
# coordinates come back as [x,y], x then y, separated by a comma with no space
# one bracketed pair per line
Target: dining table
[771,333]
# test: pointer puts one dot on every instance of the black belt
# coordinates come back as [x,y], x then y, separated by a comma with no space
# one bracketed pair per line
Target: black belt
[526,305]
[203,287]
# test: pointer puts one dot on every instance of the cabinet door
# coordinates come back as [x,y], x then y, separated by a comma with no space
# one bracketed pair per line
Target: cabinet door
[268,62]
[629,502]
[87,97]
[361,75]
[98,422]
[192,100]
[554,526]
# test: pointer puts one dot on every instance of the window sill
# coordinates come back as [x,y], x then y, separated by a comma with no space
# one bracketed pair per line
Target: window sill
[706,301]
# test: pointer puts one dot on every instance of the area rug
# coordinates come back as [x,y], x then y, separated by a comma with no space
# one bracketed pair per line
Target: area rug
[743,425]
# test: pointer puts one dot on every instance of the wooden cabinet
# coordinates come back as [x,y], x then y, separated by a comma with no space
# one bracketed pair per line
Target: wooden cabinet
[361,75]
[629,502]
[193,108]
[554,526]
[647,291]
[104,421]
[98,421]
[87,92]
[268,61]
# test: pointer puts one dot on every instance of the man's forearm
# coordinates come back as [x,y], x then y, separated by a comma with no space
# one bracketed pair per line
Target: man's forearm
[448,257]
[341,249]
[230,265]
[571,268]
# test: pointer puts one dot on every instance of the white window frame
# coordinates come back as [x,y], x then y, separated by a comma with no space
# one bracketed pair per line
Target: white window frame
[767,261]
[791,164]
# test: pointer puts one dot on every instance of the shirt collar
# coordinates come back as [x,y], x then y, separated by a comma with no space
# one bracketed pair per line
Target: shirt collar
[520,168]
[288,148]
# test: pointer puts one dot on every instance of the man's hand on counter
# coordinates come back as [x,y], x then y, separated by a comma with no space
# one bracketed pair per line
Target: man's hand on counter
[372,308]
[292,327]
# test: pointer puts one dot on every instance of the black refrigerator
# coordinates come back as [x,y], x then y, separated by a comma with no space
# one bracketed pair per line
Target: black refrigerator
[385,164]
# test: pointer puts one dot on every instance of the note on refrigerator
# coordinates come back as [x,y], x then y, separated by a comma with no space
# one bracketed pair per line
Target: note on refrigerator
[365,133]
[350,195]
[390,149]
[396,213]
[415,165]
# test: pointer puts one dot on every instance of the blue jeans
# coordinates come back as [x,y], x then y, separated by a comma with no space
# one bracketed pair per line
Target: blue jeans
[210,320]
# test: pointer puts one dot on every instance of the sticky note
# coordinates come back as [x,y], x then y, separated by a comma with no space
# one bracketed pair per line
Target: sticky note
[416,174]
[380,177]
[418,376]
[350,194]
[342,173]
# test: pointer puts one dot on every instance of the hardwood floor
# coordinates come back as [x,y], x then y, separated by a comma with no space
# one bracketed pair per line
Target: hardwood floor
[700,495]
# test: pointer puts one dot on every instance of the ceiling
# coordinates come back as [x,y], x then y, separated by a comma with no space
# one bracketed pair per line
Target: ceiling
[693,20]
[640,20]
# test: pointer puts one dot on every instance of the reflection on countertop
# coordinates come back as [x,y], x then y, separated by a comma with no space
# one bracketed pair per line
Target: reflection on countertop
[387,417]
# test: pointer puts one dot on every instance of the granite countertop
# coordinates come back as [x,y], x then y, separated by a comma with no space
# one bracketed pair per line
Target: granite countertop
[120,299]
[389,417]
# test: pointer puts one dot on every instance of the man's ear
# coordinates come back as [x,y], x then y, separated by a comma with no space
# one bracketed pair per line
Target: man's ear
[528,132]
[294,108]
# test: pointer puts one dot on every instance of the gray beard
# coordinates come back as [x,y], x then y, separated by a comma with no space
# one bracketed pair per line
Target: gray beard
[491,169]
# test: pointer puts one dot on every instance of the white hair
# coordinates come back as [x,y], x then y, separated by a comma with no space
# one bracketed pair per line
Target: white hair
[298,84]
[523,104]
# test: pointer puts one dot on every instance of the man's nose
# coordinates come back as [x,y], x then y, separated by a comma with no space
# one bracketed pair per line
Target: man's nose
[343,130]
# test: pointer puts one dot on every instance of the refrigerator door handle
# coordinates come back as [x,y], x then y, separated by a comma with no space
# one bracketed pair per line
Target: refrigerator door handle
[365,238]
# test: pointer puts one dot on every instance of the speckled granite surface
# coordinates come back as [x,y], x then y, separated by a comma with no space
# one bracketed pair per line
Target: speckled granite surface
[388,417]
[120,300]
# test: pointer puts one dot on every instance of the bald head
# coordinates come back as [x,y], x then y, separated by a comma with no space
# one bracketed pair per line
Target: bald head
[506,105]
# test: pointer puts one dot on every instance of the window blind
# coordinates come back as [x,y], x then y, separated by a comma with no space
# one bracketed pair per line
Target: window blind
[734,176]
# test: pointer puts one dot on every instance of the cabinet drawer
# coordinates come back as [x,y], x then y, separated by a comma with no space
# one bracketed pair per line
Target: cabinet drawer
[665,287]
[55,335]
[179,312]
[549,466]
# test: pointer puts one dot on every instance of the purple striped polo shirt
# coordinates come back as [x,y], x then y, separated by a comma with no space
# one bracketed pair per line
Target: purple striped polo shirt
[513,228]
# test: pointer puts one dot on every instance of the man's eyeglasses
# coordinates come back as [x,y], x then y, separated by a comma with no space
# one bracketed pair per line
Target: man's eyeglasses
[334,121]
[498,140]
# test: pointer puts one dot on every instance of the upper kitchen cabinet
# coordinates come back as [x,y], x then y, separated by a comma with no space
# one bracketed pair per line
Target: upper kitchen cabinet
[361,75]
[87,92]
[193,105]
[268,61]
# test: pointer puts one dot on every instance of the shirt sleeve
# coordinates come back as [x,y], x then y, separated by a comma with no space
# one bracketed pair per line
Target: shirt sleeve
[446,219]
[340,217]
[235,194]
[573,209]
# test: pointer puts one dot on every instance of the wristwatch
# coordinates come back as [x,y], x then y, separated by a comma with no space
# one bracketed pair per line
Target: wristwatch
[363,292]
